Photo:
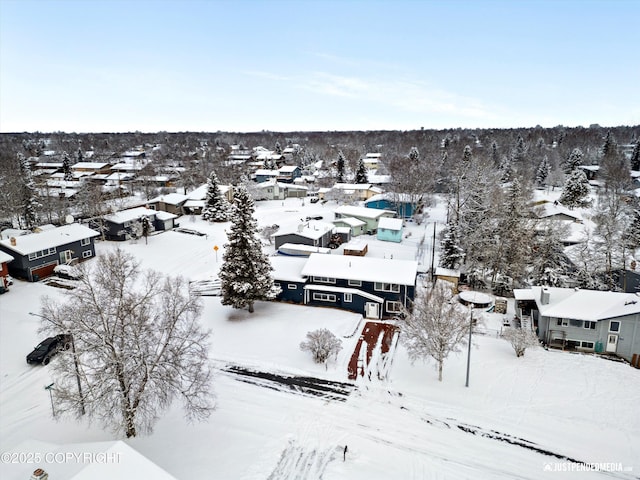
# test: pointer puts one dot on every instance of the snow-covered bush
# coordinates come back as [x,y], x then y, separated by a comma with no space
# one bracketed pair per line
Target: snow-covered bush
[322,344]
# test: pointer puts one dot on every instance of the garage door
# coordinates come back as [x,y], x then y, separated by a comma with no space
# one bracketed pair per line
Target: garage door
[43,270]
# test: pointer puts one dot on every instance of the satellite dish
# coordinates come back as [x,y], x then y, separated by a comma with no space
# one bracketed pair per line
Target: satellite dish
[69,219]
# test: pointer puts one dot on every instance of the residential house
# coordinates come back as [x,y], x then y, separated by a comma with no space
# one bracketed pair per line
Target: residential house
[127,224]
[370,216]
[313,233]
[287,276]
[356,227]
[170,202]
[583,320]
[288,173]
[356,192]
[265,175]
[401,203]
[37,254]
[273,190]
[390,229]
[374,287]
[197,198]
[91,168]
[5,258]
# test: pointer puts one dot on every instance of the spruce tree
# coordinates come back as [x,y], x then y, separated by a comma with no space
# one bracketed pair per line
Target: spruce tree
[451,253]
[245,275]
[361,173]
[635,157]
[340,167]
[29,194]
[543,172]
[216,206]
[549,262]
[66,167]
[574,160]
[576,190]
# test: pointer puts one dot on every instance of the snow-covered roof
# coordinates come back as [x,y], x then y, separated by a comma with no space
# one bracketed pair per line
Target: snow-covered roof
[88,461]
[590,305]
[5,257]
[447,272]
[266,173]
[351,211]
[523,294]
[392,197]
[312,230]
[389,223]
[56,237]
[170,198]
[549,209]
[373,155]
[129,215]
[89,165]
[199,193]
[378,179]
[288,268]
[288,169]
[160,215]
[402,272]
[351,221]
[352,186]
[13,232]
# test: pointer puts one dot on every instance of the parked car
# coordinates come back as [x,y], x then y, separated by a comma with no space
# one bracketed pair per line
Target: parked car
[48,348]
[68,272]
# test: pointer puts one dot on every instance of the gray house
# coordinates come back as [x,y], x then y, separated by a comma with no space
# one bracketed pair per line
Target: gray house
[127,224]
[584,320]
[313,233]
[37,254]
[370,216]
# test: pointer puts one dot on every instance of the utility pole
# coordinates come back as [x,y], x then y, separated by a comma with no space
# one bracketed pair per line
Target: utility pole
[433,253]
[469,349]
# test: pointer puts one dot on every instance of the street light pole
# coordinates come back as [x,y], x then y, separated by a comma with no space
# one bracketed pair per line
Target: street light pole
[75,362]
[469,349]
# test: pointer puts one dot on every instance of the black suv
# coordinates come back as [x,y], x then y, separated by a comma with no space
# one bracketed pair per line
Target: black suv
[48,348]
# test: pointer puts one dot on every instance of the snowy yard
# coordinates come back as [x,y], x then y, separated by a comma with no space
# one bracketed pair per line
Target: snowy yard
[519,418]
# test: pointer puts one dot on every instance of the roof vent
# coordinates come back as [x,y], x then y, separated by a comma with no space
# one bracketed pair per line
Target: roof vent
[12,241]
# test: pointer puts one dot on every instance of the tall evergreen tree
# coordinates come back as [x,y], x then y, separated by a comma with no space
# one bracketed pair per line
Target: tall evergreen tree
[520,151]
[575,192]
[635,157]
[29,194]
[574,160]
[544,169]
[549,262]
[216,208]
[361,173]
[506,170]
[66,167]
[451,253]
[245,275]
[340,167]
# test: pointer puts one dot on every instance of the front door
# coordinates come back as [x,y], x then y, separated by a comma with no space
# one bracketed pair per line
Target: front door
[66,256]
[371,310]
[612,343]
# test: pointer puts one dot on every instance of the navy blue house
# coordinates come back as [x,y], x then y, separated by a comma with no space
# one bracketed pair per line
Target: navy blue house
[374,287]
[36,255]
[399,203]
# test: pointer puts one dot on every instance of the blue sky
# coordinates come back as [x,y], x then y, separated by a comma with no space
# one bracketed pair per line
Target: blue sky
[247,65]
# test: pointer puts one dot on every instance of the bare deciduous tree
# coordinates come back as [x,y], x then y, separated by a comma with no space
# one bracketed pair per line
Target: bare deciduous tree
[520,339]
[322,344]
[138,346]
[436,326]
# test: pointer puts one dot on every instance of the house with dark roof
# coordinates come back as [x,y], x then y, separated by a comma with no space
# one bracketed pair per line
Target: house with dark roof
[37,254]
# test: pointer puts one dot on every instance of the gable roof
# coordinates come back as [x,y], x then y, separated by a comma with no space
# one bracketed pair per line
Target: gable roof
[130,214]
[5,257]
[312,230]
[402,272]
[389,223]
[170,199]
[34,242]
[364,212]
[590,305]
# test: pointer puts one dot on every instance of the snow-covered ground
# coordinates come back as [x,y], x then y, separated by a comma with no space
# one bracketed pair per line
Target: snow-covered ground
[521,418]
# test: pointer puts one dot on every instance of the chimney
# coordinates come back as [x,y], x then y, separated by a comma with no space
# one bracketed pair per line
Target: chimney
[544,296]
[39,474]
[12,241]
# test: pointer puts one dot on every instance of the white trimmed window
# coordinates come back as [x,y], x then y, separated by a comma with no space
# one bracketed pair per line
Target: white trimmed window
[348,298]
[324,280]
[393,307]
[87,254]
[354,283]
[85,241]
[324,297]
[614,326]
[292,286]
[563,322]
[387,287]
[590,325]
